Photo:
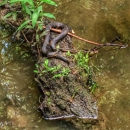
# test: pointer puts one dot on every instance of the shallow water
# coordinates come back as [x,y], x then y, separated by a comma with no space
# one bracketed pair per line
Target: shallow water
[102,21]
[19,96]
[99,21]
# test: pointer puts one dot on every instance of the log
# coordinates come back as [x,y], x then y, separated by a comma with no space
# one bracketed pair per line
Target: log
[63,95]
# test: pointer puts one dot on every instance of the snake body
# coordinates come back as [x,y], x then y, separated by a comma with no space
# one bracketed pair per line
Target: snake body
[53,42]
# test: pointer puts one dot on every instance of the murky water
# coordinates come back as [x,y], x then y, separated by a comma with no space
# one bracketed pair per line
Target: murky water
[102,21]
[99,21]
[19,95]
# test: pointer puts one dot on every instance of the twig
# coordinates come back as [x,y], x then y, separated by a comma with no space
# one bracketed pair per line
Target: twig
[73,35]
[25,37]
[91,42]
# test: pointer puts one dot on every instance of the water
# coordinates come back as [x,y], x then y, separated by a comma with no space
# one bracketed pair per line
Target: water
[102,21]
[19,96]
[99,21]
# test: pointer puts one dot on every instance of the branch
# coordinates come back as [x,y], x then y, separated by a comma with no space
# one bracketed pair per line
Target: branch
[91,42]
[73,35]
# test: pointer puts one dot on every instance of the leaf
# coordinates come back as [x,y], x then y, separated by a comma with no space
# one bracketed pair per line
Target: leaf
[14,15]
[34,18]
[49,15]
[14,1]
[23,25]
[37,38]
[57,76]
[29,26]
[36,65]
[31,3]
[39,9]
[35,71]
[8,15]
[28,11]
[40,27]
[40,74]
[50,2]
[4,2]
[48,93]
[35,15]
[93,87]
[46,62]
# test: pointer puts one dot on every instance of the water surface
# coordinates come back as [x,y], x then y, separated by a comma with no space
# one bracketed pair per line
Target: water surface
[102,21]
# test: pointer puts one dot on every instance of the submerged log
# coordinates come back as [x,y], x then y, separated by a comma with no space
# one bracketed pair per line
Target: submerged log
[63,86]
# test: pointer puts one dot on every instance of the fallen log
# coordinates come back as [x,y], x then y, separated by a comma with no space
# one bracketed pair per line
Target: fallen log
[64,89]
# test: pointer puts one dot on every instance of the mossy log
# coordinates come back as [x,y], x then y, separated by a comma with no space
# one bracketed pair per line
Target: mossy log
[63,95]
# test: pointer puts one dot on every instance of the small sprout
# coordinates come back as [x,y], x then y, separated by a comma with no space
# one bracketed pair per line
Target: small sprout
[48,93]
[57,47]
[68,53]
[40,74]
[57,75]
[93,87]
[36,65]
[35,71]
[49,101]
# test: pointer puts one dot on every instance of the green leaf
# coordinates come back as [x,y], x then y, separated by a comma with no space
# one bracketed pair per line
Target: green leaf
[39,9]
[28,11]
[36,65]
[46,62]
[57,76]
[93,87]
[48,93]
[40,74]
[50,2]
[23,2]
[14,1]
[29,26]
[34,18]
[4,2]
[49,15]
[35,71]
[37,38]
[31,3]
[14,15]
[23,25]
[8,15]
[40,27]
[35,15]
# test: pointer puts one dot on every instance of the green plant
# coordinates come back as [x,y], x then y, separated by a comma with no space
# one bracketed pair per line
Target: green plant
[32,12]
[50,69]
[56,71]
[93,87]
[82,61]
[91,84]
[49,101]
[63,72]
[68,53]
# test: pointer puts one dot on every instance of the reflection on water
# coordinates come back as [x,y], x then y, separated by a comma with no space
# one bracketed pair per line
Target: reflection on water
[99,21]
